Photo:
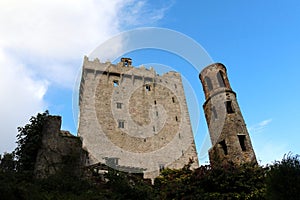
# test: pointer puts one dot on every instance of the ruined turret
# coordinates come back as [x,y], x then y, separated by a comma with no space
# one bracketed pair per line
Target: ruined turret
[228,133]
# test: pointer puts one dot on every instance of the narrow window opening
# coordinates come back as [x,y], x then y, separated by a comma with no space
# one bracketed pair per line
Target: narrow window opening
[229,108]
[224,147]
[208,83]
[156,113]
[121,124]
[221,79]
[179,136]
[148,88]
[154,102]
[175,86]
[111,161]
[173,99]
[161,167]
[242,142]
[214,113]
[145,140]
[154,128]
[116,83]
[119,105]
[176,118]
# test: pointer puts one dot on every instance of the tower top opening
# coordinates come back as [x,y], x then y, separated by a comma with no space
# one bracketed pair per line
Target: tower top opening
[126,61]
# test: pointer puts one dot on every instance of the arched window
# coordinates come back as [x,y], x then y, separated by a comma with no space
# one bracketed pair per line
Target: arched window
[220,77]
[208,83]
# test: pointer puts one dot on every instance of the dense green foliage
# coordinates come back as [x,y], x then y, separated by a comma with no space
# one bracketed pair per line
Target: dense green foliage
[29,141]
[283,180]
[229,182]
[280,180]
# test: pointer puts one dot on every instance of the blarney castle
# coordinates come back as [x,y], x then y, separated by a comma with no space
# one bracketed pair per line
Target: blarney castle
[135,120]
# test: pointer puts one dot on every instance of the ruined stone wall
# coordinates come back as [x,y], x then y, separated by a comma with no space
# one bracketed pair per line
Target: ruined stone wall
[134,116]
[59,151]
[230,139]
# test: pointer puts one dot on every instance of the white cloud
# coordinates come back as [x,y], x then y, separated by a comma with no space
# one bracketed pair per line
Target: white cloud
[20,97]
[43,43]
[47,34]
[141,12]
[267,149]
[259,127]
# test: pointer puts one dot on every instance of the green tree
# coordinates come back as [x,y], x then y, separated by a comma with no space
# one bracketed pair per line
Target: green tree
[29,141]
[283,179]
[227,182]
[175,183]
[128,186]
[233,182]
[7,162]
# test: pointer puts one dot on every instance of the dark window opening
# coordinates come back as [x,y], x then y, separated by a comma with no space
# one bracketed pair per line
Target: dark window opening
[116,83]
[111,161]
[119,105]
[229,108]
[242,142]
[126,61]
[173,99]
[154,102]
[121,124]
[156,113]
[208,83]
[148,88]
[224,147]
[145,140]
[214,113]
[176,118]
[154,128]
[161,167]
[221,79]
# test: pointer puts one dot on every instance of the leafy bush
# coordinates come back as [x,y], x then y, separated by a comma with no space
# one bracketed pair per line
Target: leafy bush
[283,179]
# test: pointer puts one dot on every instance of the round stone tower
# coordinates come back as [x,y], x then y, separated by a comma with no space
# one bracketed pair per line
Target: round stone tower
[230,139]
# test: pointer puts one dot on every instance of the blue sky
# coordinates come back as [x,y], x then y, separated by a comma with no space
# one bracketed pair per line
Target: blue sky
[42,44]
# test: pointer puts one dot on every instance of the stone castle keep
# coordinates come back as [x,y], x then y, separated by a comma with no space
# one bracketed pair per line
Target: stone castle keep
[135,120]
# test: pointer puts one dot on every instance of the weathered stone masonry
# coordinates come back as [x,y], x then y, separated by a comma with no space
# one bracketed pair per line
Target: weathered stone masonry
[132,117]
[229,136]
[60,150]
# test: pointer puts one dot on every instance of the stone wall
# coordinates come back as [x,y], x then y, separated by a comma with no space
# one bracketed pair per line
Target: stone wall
[60,150]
